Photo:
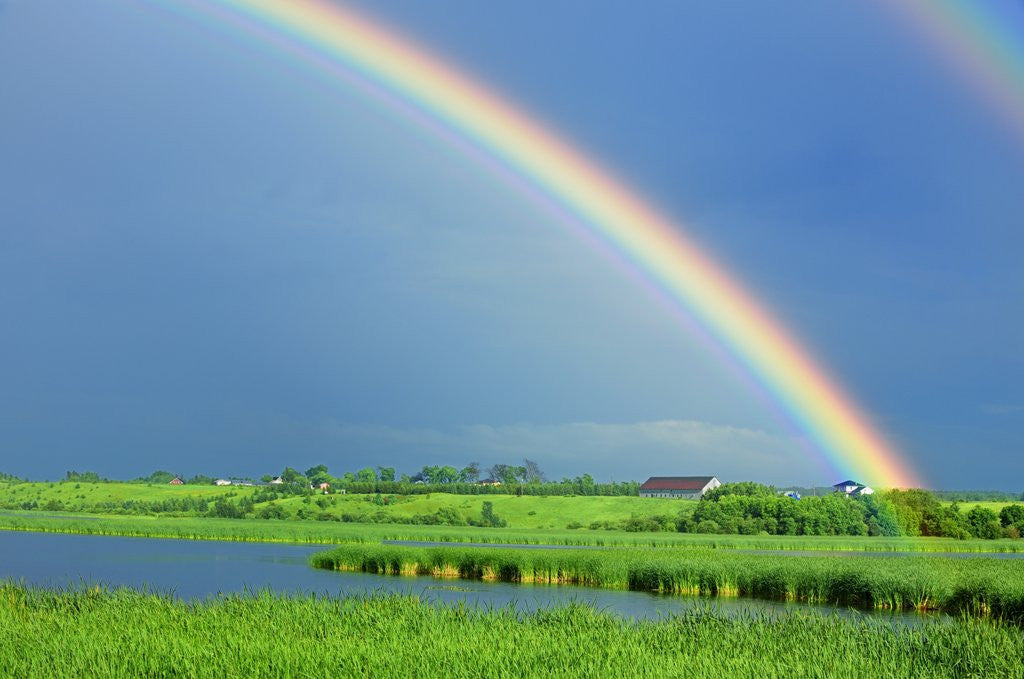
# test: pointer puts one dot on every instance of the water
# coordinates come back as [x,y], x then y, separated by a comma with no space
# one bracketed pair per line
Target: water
[195,569]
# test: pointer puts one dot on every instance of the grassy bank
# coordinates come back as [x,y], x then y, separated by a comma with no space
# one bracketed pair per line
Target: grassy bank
[990,587]
[124,633]
[329,533]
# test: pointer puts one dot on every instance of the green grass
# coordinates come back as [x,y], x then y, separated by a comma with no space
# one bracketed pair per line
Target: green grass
[978,586]
[994,506]
[80,496]
[96,633]
[520,512]
[329,532]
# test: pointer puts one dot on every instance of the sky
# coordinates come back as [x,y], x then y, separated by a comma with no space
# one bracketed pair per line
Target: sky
[214,260]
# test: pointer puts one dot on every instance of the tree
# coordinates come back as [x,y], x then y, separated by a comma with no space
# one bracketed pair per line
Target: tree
[532,472]
[429,474]
[386,473]
[159,476]
[507,474]
[470,473]
[447,474]
[984,523]
[316,472]
[367,475]
[290,475]
[1012,515]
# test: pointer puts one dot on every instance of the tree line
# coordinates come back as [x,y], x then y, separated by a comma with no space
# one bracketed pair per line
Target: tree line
[753,508]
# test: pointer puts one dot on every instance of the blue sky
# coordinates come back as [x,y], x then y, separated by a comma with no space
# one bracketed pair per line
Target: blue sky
[211,260]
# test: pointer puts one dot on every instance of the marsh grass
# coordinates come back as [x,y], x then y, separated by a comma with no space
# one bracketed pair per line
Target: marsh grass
[977,586]
[98,633]
[318,532]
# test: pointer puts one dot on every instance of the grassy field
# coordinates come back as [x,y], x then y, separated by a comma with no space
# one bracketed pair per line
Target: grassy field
[330,532]
[97,633]
[994,506]
[520,512]
[976,586]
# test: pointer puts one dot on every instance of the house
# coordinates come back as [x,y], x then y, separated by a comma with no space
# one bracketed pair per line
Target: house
[176,481]
[325,488]
[277,481]
[681,487]
[222,482]
[489,482]
[853,488]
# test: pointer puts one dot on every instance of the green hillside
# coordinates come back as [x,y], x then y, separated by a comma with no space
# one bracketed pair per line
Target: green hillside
[520,512]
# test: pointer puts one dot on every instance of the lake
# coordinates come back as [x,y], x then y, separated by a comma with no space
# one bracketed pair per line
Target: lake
[195,569]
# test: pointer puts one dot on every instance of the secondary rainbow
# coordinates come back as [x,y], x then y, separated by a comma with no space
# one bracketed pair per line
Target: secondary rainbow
[983,42]
[324,34]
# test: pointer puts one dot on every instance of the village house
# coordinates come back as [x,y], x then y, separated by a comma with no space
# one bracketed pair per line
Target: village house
[325,488]
[680,487]
[277,481]
[176,481]
[222,482]
[853,488]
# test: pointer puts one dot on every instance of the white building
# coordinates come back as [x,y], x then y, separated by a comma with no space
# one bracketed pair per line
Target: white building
[681,487]
[853,488]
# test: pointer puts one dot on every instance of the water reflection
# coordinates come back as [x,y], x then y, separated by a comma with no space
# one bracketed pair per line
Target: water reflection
[199,569]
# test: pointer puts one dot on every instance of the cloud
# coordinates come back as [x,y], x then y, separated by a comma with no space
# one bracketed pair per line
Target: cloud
[619,450]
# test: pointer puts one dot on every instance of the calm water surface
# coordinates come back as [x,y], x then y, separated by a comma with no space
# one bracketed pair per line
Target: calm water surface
[198,569]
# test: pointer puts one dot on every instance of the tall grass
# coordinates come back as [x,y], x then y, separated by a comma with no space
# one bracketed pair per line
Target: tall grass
[979,586]
[317,532]
[124,633]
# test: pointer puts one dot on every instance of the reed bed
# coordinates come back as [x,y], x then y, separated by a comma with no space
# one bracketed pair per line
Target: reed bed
[98,633]
[327,533]
[976,586]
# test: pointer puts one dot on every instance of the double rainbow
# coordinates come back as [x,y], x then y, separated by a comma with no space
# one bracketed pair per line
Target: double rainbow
[330,37]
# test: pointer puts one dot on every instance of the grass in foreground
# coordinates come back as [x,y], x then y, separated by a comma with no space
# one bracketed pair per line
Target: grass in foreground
[124,633]
[976,586]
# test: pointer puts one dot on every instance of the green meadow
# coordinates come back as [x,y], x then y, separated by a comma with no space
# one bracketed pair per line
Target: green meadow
[518,512]
[99,633]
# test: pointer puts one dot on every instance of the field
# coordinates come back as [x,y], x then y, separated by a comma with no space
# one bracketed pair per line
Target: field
[123,633]
[976,586]
[520,512]
[994,506]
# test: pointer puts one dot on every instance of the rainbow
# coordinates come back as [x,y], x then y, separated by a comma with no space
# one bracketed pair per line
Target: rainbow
[344,43]
[982,42]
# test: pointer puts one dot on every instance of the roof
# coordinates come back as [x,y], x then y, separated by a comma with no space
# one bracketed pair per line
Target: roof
[676,483]
[847,482]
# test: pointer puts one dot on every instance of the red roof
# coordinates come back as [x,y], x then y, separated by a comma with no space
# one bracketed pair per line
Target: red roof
[676,482]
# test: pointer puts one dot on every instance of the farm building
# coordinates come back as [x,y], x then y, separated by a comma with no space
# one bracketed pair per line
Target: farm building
[682,487]
[853,488]
[222,482]
[176,481]
[489,482]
